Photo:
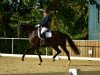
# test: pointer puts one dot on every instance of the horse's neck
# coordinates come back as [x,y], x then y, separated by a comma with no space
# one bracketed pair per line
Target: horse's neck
[34,33]
[30,30]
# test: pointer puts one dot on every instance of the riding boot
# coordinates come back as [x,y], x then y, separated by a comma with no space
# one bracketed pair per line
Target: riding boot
[43,40]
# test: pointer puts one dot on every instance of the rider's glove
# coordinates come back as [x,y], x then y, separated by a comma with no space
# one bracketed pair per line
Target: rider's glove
[37,25]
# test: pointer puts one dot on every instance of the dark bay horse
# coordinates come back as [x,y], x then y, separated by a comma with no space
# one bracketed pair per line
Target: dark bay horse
[24,29]
[57,39]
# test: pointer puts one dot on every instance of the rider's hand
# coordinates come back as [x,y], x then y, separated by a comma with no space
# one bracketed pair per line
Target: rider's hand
[37,25]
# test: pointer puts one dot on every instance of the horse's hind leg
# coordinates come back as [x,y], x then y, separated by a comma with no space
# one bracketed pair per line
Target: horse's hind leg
[66,51]
[24,54]
[58,52]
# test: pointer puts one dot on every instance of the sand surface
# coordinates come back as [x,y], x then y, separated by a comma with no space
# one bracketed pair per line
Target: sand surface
[30,65]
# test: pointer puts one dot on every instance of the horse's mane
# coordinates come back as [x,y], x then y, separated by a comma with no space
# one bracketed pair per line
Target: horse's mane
[25,28]
[35,28]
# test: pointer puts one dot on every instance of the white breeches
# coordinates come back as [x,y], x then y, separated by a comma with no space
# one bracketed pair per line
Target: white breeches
[44,29]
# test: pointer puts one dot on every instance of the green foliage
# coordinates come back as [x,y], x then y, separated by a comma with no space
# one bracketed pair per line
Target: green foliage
[43,51]
[5,46]
[72,18]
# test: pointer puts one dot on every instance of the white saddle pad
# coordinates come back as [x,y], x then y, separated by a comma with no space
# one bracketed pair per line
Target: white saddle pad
[48,34]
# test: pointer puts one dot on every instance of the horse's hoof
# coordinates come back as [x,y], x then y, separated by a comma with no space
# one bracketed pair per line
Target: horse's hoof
[22,59]
[59,58]
[39,64]
[53,59]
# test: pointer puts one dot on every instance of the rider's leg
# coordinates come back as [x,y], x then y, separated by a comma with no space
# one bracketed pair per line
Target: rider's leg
[43,30]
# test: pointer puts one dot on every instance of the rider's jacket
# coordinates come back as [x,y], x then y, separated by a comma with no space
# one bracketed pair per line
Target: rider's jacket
[45,21]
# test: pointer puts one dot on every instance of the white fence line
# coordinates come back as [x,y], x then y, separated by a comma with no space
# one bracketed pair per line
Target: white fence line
[17,39]
[13,41]
[28,39]
[45,56]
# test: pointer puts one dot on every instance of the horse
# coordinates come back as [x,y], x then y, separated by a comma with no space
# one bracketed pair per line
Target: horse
[24,29]
[58,39]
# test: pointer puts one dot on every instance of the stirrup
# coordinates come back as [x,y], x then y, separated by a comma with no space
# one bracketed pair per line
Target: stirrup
[42,41]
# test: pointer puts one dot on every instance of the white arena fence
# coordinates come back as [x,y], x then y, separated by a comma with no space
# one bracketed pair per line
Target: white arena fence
[12,43]
[47,56]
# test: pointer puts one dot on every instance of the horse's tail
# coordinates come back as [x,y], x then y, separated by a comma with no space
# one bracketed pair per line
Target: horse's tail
[73,46]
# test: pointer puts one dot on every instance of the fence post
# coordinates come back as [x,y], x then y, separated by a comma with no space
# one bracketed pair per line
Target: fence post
[12,45]
[46,51]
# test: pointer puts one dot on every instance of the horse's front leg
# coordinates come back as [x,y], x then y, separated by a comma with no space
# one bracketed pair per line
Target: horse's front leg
[38,52]
[24,55]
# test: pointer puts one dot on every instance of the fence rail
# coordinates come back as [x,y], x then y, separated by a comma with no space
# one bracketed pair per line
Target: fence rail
[88,48]
[12,43]
[1,38]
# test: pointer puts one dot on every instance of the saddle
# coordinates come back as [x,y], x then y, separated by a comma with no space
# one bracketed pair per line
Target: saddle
[47,34]
[43,37]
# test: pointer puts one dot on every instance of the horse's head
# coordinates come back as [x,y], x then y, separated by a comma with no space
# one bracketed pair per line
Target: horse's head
[24,29]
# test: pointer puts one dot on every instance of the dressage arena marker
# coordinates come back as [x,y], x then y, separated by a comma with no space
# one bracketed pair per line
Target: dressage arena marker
[73,71]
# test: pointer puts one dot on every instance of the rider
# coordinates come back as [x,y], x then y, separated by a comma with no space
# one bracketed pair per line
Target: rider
[44,24]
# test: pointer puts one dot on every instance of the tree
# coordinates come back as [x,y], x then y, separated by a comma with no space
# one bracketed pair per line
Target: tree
[66,15]
[72,16]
